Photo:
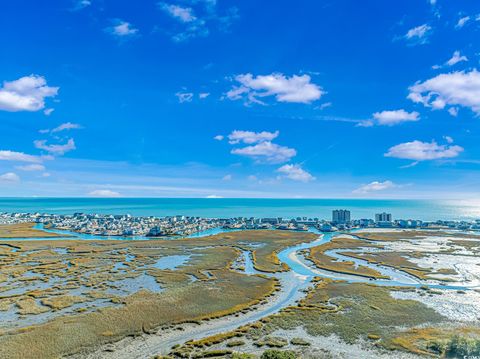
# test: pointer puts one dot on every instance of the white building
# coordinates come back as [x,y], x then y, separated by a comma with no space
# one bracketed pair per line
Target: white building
[383,217]
[340,216]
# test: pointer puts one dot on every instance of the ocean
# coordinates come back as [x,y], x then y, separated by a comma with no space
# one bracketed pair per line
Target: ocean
[427,210]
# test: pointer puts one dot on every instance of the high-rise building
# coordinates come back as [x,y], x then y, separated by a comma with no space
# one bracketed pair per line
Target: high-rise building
[340,216]
[383,217]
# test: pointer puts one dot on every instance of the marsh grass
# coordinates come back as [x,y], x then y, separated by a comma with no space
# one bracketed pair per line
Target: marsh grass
[90,264]
[323,261]
[24,230]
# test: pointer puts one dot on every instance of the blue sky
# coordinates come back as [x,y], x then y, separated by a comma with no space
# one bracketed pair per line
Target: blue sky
[205,98]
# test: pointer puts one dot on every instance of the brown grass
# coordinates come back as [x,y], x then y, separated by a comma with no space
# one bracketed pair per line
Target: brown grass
[24,230]
[321,260]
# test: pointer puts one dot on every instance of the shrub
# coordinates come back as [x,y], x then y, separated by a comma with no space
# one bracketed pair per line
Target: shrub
[462,347]
[278,354]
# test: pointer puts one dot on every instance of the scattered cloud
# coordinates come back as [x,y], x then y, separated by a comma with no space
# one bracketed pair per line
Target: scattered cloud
[9,177]
[267,152]
[196,22]
[184,96]
[375,186]
[31,168]
[390,118]
[295,172]
[227,177]
[419,34]
[203,95]
[456,58]
[63,127]
[448,139]
[48,111]
[19,157]
[28,93]
[423,151]
[219,137]
[250,137]
[183,14]
[105,193]
[122,29]
[261,148]
[462,21]
[296,89]
[324,105]
[455,88]
[453,111]
[57,150]
[81,4]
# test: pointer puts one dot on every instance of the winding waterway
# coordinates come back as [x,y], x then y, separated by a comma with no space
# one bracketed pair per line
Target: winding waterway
[293,285]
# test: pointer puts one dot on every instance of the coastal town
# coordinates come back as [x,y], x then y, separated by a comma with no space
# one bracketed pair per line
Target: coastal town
[179,225]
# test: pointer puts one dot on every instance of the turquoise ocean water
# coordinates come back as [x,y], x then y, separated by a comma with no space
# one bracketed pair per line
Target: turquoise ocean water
[232,207]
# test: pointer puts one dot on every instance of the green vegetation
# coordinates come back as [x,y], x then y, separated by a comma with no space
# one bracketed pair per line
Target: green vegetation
[273,342]
[278,354]
[460,347]
[235,343]
[299,341]
[242,356]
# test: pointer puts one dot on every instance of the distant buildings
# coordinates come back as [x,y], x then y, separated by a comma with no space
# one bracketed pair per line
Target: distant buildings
[340,216]
[383,217]
[126,225]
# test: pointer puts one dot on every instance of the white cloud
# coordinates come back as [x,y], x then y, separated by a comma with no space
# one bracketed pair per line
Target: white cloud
[203,95]
[9,177]
[48,111]
[419,34]
[375,186]
[81,4]
[28,93]
[250,137]
[455,88]
[295,172]
[106,193]
[183,14]
[196,22]
[456,58]
[213,196]
[227,177]
[462,21]
[19,157]
[448,139]
[32,167]
[219,137]
[266,152]
[297,89]
[391,118]
[122,29]
[325,105]
[55,149]
[63,127]
[453,111]
[423,151]
[184,96]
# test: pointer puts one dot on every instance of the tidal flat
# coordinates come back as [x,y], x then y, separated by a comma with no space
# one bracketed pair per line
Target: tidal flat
[60,297]
[407,294]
